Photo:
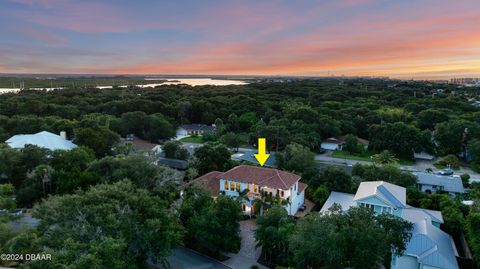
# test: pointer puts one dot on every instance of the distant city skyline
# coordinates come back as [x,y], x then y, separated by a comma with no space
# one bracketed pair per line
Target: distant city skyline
[400,39]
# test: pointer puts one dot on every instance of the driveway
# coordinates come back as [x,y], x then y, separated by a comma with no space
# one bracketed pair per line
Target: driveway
[184,258]
[248,254]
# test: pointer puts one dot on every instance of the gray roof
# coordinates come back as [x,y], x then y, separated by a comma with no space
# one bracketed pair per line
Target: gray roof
[42,139]
[197,127]
[345,200]
[173,163]
[449,184]
[389,193]
[248,156]
[431,246]
[414,214]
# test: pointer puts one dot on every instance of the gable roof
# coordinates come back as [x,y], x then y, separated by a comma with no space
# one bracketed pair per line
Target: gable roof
[42,139]
[345,200]
[450,184]
[269,177]
[431,246]
[197,127]
[414,214]
[334,140]
[389,193]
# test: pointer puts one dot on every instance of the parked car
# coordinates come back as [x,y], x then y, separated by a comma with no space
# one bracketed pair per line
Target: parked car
[446,172]
[16,212]
[302,207]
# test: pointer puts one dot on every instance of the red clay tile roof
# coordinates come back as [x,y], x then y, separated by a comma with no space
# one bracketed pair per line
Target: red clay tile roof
[209,182]
[269,177]
[301,187]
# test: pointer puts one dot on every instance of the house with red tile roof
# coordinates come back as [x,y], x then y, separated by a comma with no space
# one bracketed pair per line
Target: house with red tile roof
[257,183]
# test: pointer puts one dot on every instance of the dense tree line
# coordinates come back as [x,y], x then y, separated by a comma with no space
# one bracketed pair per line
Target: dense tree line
[402,117]
[355,239]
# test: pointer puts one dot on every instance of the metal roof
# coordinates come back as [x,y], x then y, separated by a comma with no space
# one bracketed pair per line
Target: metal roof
[449,184]
[414,214]
[42,139]
[431,246]
[392,194]
[345,200]
[248,156]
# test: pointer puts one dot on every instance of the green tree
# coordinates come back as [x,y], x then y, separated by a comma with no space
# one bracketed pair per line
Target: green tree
[351,143]
[247,120]
[388,173]
[6,196]
[384,157]
[473,233]
[98,138]
[231,139]
[170,148]
[335,179]
[211,157]
[233,122]
[296,158]
[357,239]
[211,226]
[114,226]
[452,135]
[273,232]
[399,138]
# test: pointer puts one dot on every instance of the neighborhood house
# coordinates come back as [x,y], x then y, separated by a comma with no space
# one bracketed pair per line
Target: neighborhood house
[337,143]
[256,183]
[432,183]
[429,246]
[43,139]
[194,129]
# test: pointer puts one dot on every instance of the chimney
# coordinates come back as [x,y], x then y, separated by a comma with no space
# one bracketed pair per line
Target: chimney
[63,134]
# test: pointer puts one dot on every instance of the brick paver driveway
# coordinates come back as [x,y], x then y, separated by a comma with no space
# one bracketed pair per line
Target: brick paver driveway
[248,254]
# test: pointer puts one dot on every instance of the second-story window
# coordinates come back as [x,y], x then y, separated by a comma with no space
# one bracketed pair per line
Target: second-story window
[282,193]
[255,188]
[232,186]
[226,186]
[238,187]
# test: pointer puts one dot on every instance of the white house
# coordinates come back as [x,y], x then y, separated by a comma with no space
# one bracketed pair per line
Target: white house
[337,143]
[429,246]
[260,182]
[193,129]
[43,139]
[332,143]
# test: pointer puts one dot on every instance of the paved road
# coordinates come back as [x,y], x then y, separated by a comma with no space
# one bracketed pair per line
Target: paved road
[419,166]
[248,254]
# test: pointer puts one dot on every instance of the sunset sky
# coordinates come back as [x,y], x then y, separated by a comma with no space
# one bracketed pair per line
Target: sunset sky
[403,39]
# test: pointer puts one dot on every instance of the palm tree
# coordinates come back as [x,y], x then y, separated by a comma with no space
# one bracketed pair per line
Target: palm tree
[384,157]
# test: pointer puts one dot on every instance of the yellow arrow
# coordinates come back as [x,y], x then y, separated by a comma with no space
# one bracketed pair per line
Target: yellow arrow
[262,156]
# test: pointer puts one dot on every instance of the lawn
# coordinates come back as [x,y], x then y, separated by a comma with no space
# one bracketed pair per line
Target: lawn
[364,156]
[193,139]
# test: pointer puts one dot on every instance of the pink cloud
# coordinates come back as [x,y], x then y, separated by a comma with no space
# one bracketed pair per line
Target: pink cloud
[44,36]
